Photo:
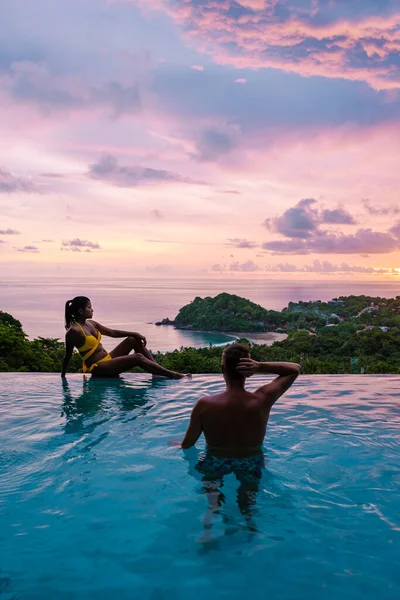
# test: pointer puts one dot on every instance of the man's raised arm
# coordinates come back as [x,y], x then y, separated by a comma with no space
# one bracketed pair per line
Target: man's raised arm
[287,375]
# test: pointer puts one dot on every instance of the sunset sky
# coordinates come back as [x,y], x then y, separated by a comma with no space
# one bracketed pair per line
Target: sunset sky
[200,138]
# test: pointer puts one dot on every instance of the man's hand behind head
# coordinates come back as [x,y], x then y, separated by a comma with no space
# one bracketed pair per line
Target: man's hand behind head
[247,367]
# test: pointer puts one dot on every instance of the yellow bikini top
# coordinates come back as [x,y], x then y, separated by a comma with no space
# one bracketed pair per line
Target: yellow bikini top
[91,343]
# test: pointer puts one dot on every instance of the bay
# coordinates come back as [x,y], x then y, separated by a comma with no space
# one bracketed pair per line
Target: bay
[136,304]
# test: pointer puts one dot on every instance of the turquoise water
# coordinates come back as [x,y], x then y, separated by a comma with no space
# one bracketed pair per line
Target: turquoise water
[95,504]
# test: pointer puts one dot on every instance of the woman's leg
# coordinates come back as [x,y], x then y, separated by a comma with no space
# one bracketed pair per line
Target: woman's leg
[129,344]
[115,366]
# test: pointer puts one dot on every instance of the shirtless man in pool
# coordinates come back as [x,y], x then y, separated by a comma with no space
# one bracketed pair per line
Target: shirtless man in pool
[234,422]
[234,425]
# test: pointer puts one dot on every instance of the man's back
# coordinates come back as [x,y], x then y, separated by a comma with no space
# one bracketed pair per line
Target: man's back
[234,422]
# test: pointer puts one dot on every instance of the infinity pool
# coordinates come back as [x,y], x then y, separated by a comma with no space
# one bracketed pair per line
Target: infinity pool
[94,504]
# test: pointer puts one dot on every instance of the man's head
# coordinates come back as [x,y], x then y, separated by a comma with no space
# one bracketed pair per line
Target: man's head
[230,360]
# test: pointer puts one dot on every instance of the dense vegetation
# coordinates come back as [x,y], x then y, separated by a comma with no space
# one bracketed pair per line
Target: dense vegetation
[336,350]
[17,353]
[354,334]
[227,312]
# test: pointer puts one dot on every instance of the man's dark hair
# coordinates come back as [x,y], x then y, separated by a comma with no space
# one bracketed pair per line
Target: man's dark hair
[231,357]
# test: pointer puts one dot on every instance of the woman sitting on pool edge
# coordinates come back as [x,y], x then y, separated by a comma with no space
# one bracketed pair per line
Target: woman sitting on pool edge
[85,335]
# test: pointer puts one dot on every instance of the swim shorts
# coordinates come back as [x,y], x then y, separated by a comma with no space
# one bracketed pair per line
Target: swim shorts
[214,467]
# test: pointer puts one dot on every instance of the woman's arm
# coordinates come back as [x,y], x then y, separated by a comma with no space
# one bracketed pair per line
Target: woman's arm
[118,333]
[69,348]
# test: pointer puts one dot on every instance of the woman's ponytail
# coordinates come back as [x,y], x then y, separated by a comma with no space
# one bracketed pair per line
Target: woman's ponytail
[72,308]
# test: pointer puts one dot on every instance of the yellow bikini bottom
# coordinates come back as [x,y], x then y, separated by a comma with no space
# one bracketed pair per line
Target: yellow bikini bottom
[90,369]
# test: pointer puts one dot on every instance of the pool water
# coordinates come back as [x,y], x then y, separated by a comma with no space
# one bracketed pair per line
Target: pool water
[94,503]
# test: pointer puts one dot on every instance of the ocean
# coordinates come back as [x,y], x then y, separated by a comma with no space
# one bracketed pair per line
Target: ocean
[136,304]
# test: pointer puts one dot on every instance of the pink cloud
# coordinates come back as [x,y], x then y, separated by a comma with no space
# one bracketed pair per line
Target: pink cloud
[360,47]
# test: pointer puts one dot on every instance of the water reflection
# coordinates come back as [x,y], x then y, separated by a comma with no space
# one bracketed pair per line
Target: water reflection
[103,396]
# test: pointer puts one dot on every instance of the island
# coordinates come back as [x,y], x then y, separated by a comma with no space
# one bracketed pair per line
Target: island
[231,313]
[349,334]
[224,313]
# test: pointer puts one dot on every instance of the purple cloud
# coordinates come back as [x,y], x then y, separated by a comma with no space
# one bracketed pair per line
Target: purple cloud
[31,82]
[78,245]
[337,216]
[214,142]
[302,225]
[52,175]
[286,247]
[303,220]
[380,210]
[10,183]
[122,99]
[298,222]
[241,243]
[9,232]
[109,170]
[396,230]
[248,267]
[362,242]
[28,249]
[326,267]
